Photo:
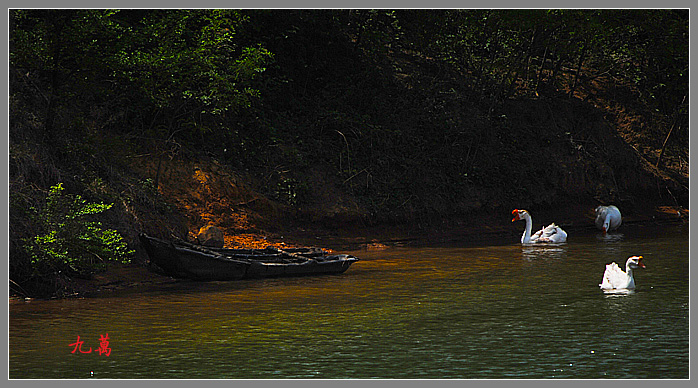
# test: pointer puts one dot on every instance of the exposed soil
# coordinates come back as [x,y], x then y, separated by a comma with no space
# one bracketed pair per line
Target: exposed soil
[198,192]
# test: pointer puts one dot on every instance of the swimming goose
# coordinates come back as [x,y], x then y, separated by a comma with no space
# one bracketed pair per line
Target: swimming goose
[550,234]
[615,279]
[608,218]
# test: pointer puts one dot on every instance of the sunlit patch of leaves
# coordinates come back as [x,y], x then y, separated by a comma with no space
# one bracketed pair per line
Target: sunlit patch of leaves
[70,241]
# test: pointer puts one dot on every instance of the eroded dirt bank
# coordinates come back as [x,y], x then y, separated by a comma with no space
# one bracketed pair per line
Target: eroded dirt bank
[209,194]
[138,276]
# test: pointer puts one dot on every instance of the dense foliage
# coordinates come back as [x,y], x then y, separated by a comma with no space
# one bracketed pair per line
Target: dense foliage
[160,70]
[70,242]
[404,114]
[535,46]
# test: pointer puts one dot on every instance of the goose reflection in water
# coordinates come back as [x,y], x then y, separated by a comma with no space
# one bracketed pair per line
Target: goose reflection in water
[610,237]
[617,293]
[543,252]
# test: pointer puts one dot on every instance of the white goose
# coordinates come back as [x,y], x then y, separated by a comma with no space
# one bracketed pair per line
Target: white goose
[608,218]
[615,279]
[550,234]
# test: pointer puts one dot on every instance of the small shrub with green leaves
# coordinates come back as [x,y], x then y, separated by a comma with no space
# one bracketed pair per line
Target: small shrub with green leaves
[70,242]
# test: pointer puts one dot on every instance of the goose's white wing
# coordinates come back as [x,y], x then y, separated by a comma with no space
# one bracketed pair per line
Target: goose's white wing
[550,234]
[614,278]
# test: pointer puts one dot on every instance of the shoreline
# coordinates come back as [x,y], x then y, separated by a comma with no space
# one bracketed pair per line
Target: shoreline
[134,277]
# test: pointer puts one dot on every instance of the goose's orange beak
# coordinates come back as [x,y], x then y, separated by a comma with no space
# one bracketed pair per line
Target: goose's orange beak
[640,263]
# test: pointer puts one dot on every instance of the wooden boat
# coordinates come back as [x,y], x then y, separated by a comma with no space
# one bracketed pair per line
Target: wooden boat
[181,259]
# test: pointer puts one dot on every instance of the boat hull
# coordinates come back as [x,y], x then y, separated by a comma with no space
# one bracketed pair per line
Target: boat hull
[329,265]
[184,260]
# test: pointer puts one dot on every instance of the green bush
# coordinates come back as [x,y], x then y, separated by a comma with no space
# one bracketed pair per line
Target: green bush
[69,242]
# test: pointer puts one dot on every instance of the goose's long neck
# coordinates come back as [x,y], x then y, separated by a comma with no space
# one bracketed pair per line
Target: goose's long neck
[631,280]
[527,233]
[607,222]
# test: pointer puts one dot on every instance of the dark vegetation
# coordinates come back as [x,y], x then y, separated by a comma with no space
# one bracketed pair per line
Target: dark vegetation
[334,119]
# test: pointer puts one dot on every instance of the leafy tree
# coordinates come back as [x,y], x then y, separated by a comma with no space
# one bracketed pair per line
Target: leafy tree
[70,242]
[171,69]
[499,48]
[188,63]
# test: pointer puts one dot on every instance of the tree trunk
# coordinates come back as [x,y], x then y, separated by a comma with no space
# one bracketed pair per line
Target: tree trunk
[664,145]
[579,69]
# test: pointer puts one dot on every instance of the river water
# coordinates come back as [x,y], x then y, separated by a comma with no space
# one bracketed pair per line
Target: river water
[434,312]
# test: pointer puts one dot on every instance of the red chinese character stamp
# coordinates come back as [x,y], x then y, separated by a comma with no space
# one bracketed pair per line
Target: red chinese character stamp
[103,346]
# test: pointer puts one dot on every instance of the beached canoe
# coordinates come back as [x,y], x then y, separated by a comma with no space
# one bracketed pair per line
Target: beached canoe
[181,259]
